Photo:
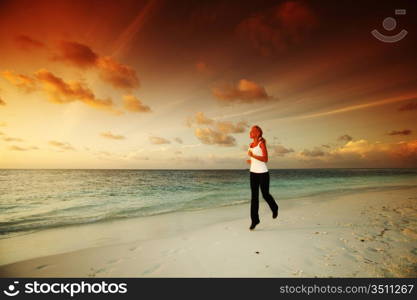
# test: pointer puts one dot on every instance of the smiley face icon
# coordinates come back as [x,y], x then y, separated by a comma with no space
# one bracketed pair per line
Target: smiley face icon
[11,289]
[390,24]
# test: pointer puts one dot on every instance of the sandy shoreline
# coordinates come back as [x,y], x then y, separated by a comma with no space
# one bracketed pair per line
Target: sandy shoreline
[371,234]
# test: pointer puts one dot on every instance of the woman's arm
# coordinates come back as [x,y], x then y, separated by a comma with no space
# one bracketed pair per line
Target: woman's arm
[264,156]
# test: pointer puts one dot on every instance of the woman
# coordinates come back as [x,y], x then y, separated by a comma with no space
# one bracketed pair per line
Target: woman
[259,175]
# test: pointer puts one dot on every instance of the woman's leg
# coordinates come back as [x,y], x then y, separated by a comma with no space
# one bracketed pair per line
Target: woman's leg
[264,183]
[254,205]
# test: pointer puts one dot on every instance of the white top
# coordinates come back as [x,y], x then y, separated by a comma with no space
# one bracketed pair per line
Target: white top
[257,166]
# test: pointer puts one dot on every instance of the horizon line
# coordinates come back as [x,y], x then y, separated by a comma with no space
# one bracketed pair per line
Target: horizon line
[213,169]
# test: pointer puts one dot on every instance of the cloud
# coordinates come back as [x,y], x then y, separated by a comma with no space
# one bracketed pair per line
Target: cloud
[326,146]
[110,135]
[219,133]
[363,153]
[3,124]
[203,68]
[62,146]
[136,155]
[2,102]
[277,29]
[77,54]
[398,152]
[131,103]
[201,119]
[60,91]
[82,56]
[279,150]
[23,82]
[27,43]
[409,106]
[119,75]
[12,139]
[244,91]
[313,153]
[345,138]
[9,138]
[229,127]
[178,140]
[400,132]
[18,148]
[158,140]
[213,137]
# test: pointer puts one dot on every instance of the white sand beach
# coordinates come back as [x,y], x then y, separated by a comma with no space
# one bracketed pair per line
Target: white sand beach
[371,234]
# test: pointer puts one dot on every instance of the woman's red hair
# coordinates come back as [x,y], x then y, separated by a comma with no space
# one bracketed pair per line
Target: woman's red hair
[260,133]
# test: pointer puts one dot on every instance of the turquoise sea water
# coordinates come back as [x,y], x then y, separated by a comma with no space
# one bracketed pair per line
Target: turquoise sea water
[32,200]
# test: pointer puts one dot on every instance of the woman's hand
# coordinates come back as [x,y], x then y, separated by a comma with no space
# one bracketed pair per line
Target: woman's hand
[250,153]
[248,161]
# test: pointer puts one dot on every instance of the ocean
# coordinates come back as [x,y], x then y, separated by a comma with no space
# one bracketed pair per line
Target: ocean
[33,199]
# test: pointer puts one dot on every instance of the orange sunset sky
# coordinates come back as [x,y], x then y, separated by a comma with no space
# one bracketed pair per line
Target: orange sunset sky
[177,84]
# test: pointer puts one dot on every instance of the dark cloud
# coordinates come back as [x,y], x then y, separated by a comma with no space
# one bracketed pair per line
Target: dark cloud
[244,91]
[276,30]
[178,140]
[62,146]
[131,103]
[400,132]
[345,138]
[280,150]
[18,148]
[201,67]
[2,102]
[409,106]
[205,69]
[313,153]
[60,91]
[117,74]
[77,54]
[12,139]
[158,140]
[27,43]
[112,136]
[326,146]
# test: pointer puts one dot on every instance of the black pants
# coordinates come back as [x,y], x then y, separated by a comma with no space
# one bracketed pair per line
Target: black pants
[262,180]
